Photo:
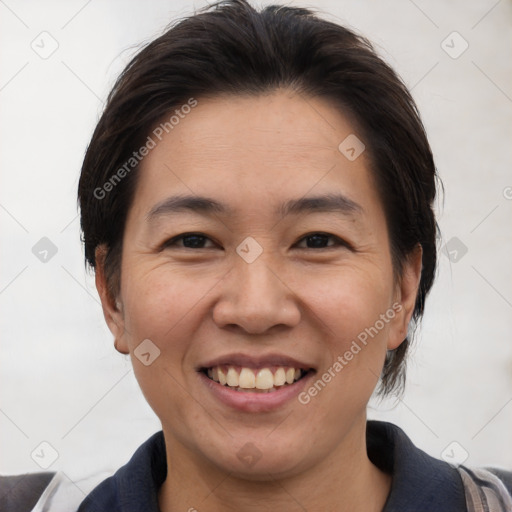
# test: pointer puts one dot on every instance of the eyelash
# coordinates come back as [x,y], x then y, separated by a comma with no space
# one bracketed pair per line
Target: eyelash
[338,241]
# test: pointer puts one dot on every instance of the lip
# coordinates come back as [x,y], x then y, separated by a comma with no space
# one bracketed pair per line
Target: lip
[256,362]
[253,401]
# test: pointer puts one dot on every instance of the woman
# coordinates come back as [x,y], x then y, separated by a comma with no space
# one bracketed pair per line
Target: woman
[256,202]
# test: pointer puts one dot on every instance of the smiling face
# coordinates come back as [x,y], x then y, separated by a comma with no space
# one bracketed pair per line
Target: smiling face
[256,251]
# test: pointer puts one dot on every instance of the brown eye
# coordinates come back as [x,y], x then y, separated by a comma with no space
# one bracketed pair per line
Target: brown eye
[189,241]
[320,241]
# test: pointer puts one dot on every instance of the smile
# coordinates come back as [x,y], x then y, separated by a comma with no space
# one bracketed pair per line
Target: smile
[255,382]
[259,380]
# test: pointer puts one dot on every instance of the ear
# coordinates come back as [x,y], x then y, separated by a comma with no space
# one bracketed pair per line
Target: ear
[406,292]
[112,308]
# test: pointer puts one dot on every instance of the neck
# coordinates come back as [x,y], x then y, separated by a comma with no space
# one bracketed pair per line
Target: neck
[340,482]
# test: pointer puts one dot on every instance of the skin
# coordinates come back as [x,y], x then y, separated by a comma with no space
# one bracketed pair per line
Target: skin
[253,154]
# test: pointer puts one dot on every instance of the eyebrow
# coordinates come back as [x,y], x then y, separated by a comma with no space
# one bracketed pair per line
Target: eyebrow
[335,203]
[177,204]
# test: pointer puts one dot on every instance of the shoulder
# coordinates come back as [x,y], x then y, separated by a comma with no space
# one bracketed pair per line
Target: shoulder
[39,492]
[419,482]
[135,485]
[422,482]
[22,492]
[505,476]
[487,489]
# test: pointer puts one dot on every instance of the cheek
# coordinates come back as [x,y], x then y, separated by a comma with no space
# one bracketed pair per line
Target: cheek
[348,307]
[164,307]
[348,301]
[160,304]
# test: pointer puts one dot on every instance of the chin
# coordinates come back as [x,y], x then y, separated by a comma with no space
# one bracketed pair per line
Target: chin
[258,461]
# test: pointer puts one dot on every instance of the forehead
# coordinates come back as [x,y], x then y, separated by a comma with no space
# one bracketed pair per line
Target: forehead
[266,148]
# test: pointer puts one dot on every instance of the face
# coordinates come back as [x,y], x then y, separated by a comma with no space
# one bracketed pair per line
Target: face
[256,251]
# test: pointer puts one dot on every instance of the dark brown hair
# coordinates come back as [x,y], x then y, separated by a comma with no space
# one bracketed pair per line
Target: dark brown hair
[231,48]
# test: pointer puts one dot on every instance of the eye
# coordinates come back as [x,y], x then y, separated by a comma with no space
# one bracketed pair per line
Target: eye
[320,241]
[189,241]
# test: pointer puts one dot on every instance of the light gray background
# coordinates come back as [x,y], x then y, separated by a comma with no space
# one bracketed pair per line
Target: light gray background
[61,380]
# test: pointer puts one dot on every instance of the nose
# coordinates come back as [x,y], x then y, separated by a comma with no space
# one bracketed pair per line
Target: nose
[256,299]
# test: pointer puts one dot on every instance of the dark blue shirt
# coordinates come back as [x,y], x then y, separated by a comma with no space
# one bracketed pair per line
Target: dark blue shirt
[420,483]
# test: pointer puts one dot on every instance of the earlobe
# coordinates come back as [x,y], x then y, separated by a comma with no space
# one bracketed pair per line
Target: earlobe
[407,291]
[112,307]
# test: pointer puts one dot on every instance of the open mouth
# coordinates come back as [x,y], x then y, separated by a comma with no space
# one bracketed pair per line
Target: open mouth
[255,380]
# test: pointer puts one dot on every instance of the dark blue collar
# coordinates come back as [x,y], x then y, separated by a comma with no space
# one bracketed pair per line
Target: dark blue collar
[420,482]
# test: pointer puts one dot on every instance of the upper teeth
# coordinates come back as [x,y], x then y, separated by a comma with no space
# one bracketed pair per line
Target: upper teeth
[248,378]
